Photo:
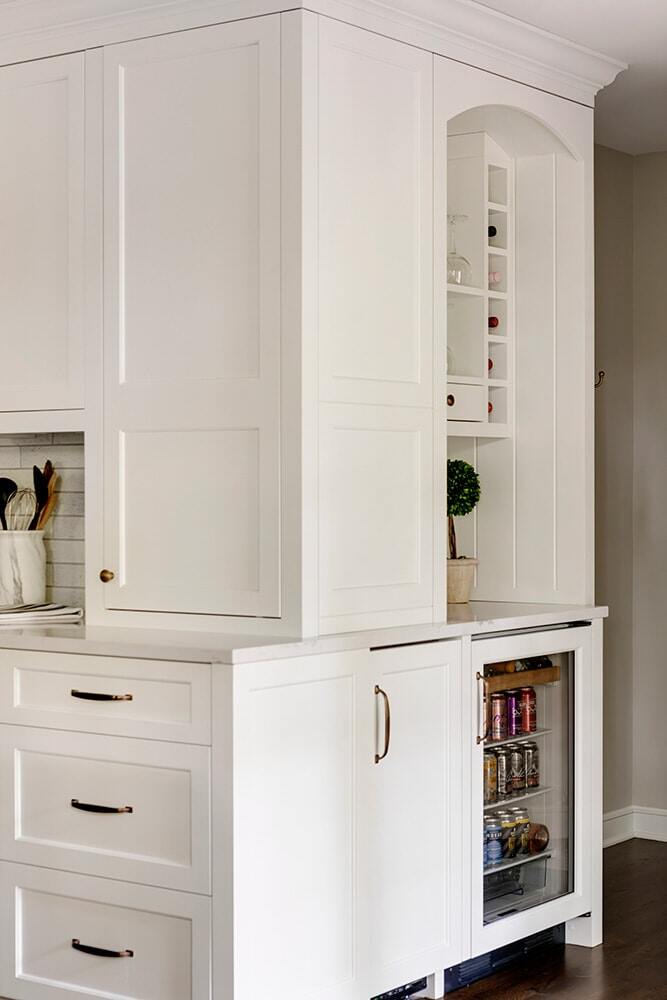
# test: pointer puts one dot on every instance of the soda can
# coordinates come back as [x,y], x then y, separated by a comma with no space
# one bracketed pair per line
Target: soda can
[490,777]
[509,843]
[528,710]
[517,768]
[522,820]
[498,716]
[531,757]
[503,763]
[514,712]
[494,834]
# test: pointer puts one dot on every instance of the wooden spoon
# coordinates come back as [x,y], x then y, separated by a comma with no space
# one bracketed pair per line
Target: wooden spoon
[50,503]
[7,491]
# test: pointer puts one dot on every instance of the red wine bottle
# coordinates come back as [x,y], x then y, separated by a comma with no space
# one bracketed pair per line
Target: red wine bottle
[490,364]
[492,232]
[493,322]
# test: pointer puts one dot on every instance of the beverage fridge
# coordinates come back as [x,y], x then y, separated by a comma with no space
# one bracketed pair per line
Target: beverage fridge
[531,783]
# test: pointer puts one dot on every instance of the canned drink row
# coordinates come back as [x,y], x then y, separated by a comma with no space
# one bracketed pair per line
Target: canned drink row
[511,713]
[511,770]
[510,833]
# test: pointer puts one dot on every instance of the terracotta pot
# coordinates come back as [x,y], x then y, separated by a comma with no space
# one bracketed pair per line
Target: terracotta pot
[460,577]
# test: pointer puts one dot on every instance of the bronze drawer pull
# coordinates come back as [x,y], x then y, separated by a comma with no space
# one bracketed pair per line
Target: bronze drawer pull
[102,952]
[387,724]
[97,696]
[89,807]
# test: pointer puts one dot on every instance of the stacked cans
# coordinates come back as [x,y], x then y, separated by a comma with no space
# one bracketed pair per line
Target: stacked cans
[510,770]
[512,713]
[506,835]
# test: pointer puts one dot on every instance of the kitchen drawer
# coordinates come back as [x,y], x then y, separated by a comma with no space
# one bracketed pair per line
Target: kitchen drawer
[152,699]
[466,402]
[43,912]
[57,784]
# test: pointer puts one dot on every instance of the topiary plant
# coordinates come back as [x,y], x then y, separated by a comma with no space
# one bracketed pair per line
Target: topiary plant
[463,493]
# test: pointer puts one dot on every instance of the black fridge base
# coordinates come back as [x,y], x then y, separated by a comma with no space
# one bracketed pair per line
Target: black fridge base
[494,961]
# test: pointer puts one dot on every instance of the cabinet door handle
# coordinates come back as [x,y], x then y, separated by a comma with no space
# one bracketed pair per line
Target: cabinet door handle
[481,695]
[387,724]
[99,696]
[451,399]
[90,807]
[89,949]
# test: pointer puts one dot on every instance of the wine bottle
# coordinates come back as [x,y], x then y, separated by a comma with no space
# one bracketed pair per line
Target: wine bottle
[492,232]
[490,364]
[493,322]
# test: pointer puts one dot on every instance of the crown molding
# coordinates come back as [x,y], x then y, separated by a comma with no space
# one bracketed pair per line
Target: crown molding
[459,29]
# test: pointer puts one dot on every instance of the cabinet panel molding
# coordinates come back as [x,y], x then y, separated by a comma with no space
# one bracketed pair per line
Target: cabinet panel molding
[42,270]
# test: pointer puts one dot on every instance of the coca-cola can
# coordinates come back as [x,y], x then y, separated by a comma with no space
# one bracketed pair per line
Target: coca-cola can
[514,712]
[528,710]
[498,716]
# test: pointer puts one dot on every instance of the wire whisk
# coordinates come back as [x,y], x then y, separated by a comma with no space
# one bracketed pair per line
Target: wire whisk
[21,510]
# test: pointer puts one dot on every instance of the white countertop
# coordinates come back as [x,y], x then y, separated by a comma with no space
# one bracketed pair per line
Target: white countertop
[476,618]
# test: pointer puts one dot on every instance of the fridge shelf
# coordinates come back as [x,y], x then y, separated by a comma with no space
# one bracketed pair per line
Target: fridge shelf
[512,799]
[503,866]
[492,744]
[522,678]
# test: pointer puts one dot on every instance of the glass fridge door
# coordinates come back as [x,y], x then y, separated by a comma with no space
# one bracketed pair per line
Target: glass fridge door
[528,782]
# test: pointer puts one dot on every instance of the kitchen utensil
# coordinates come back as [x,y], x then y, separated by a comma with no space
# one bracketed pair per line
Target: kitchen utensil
[50,503]
[48,469]
[20,510]
[7,491]
[41,494]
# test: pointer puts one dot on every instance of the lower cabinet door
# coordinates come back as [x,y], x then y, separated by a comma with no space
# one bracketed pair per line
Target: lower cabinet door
[413,819]
[296,828]
[67,935]
[109,806]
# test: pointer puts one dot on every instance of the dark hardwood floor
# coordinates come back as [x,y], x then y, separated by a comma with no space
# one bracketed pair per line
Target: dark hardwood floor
[632,962]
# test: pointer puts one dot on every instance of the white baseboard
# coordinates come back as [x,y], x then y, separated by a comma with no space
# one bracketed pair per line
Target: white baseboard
[634,821]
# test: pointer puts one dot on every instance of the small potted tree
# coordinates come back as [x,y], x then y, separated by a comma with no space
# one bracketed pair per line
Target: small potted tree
[463,493]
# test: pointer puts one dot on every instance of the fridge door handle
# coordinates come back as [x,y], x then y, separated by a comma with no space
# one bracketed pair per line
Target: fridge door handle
[482,716]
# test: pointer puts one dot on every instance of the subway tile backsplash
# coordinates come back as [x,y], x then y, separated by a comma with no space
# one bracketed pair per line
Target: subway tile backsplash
[64,535]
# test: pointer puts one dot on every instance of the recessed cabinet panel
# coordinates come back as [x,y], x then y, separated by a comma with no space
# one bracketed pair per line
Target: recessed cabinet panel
[192,265]
[376,494]
[42,234]
[192,330]
[375,218]
[197,570]
[295,812]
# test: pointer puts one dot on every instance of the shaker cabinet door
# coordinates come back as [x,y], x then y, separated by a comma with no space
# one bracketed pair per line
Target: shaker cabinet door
[192,321]
[42,234]
[413,818]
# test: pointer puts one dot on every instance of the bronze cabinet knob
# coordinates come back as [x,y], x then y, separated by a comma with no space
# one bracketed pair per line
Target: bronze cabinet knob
[106,576]
[451,400]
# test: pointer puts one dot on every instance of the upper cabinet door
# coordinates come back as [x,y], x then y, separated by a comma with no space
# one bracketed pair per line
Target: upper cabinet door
[375,218]
[192,321]
[42,234]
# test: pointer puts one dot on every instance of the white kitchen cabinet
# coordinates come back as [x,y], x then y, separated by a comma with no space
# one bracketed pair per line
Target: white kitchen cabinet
[42,234]
[298,762]
[415,837]
[192,321]
[349,789]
